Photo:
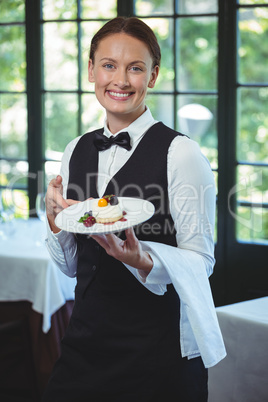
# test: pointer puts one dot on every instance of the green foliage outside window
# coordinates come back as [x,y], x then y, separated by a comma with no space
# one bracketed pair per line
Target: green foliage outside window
[196,55]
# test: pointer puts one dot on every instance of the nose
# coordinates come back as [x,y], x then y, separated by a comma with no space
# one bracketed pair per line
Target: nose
[121,78]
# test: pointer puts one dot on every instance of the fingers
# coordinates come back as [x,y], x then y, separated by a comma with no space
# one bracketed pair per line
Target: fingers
[54,199]
[71,202]
[55,202]
[101,240]
[131,238]
[115,246]
[113,240]
[112,244]
[130,234]
[57,182]
[129,251]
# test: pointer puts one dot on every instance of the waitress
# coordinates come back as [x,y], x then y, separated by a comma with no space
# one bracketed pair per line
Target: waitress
[143,327]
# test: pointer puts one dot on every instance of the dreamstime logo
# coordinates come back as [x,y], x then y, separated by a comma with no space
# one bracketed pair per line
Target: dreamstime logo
[248,185]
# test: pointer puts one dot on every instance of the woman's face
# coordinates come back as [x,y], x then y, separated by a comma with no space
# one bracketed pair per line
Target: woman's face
[122,72]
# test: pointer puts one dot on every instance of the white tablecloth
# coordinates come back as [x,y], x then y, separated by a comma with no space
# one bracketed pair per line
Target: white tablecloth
[28,273]
[243,375]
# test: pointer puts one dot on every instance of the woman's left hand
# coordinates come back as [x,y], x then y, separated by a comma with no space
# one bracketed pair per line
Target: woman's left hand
[128,251]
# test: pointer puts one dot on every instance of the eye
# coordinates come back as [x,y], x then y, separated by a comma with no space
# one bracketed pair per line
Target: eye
[135,68]
[108,66]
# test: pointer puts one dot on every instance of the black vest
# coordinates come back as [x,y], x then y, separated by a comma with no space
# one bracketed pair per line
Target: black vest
[144,175]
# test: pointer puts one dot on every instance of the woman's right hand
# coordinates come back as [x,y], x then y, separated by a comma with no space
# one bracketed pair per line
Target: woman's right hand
[55,202]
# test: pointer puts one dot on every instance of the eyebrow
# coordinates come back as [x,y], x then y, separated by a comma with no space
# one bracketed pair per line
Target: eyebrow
[114,61]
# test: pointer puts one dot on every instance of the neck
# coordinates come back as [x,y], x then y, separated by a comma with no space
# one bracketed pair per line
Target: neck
[115,123]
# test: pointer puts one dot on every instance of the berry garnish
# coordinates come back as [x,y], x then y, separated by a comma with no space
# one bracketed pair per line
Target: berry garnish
[114,200]
[89,221]
[108,198]
[86,216]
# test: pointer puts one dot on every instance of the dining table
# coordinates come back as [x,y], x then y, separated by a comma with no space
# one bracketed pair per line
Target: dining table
[32,286]
[243,375]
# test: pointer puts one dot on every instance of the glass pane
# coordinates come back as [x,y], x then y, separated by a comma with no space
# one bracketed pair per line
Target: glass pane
[13,126]
[252,184]
[21,203]
[93,113]
[163,29]
[12,56]
[12,10]
[162,107]
[253,28]
[197,53]
[147,7]
[88,31]
[15,204]
[197,6]
[197,118]
[252,224]
[252,188]
[59,9]
[252,137]
[13,174]
[60,122]
[253,1]
[97,9]
[60,55]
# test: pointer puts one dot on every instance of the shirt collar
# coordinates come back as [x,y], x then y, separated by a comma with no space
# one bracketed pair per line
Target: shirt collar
[137,128]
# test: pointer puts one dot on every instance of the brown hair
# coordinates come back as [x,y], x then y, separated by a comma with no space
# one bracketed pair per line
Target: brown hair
[131,26]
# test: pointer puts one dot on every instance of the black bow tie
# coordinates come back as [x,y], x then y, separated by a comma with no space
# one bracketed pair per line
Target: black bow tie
[102,142]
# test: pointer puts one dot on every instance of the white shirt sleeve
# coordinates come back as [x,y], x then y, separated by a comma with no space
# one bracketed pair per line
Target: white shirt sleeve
[62,246]
[192,198]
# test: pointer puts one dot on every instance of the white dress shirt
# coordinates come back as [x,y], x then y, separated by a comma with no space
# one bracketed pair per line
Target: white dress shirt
[191,191]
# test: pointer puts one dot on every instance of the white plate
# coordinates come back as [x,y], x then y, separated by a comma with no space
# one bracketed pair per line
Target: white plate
[137,211]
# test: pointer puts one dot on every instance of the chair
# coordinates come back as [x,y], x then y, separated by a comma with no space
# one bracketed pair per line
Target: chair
[18,382]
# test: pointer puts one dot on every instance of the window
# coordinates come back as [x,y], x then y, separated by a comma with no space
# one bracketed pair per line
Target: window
[252,119]
[69,104]
[213,85]
[186,94]
[13,104]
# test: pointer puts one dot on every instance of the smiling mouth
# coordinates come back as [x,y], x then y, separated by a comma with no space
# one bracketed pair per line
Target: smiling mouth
[120,95]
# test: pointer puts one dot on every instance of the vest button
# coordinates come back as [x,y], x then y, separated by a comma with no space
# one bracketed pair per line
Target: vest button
[94,268]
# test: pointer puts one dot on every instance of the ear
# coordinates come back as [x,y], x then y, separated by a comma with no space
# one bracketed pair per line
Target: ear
[154,75]
[91,77]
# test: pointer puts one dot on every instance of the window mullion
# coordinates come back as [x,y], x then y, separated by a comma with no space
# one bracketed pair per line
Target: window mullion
[226,144]
[125,8]
[34,87]
[79,95]
[226,115]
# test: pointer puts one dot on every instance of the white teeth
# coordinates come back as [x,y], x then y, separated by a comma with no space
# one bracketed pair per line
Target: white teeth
[119,95]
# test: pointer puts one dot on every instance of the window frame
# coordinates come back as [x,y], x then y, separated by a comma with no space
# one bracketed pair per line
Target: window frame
[237,275]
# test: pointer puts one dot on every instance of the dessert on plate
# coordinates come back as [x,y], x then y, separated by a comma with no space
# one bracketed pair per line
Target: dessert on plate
[107,209]
[104,210]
